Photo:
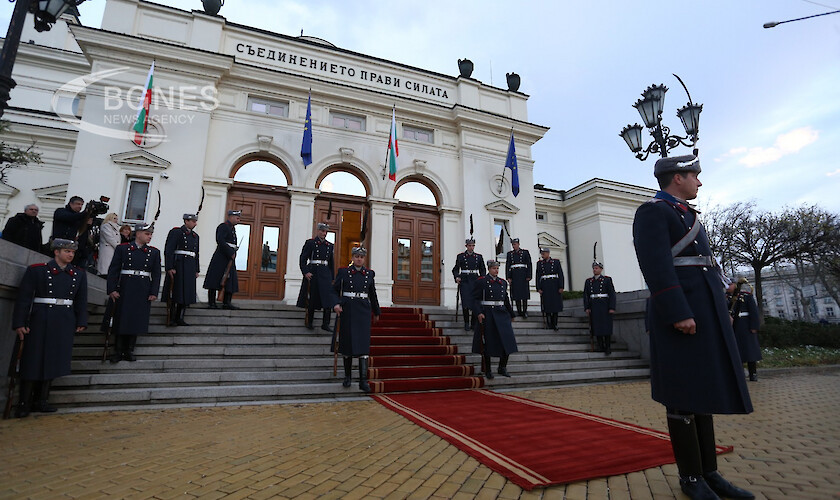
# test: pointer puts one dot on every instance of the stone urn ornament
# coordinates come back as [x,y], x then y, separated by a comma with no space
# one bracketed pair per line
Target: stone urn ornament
[513,81]
[465,66]
[212,7]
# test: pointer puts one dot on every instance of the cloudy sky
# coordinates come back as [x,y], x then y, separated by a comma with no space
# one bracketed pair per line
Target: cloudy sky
[770,127]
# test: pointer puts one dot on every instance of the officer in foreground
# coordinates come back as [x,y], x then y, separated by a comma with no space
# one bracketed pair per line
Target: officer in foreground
[356,300]
[317,264]
[518,271]
[51,306]
[182,269]
[469,266]
[695,366]
[599,304]
[493,335]
[550,281]
[221,273]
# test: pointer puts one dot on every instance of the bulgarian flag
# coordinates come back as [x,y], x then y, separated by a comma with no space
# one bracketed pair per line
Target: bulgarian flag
[143,113]
[393,147]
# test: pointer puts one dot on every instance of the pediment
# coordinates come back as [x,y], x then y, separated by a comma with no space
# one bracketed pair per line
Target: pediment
[547,240]
[502,206]
[140,158]
[52,193]
[7,190]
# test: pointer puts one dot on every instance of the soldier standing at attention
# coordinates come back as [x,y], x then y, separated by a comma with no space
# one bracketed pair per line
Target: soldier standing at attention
[518,270]
[550,286]
[746,323]
[469,266]
[695,367]
[356,300]
[222,269]
[318,268]
[182,268]
[493,335]
[51,306]
[133,284]
[599,304]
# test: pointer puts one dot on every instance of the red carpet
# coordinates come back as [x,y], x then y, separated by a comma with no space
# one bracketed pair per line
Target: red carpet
[531,443]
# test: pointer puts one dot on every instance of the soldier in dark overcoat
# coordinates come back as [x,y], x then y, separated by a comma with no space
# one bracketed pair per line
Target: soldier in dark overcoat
[550,282]
[354,294]
[222,269]
[469,266]
[493,336]
[746,323]
[599,305]
[317,264]
[695,366]
[518,271]
[182,268]
[51,306]
[133,284]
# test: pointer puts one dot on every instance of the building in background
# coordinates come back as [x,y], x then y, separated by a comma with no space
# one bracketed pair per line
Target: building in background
[788,295]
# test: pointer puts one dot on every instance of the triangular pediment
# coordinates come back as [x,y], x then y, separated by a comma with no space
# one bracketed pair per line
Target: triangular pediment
[140,158]
[7,190]
[51,193]
[501,206]
[547,240]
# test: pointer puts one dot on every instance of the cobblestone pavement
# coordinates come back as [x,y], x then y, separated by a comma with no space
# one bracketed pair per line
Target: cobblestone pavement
[788,449]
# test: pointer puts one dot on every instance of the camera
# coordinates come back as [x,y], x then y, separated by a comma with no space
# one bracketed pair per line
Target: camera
[99,207]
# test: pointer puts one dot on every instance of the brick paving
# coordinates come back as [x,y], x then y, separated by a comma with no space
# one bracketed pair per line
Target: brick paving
[789,448]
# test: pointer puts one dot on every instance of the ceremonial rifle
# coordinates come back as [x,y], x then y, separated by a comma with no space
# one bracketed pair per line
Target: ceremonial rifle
[108,325]
[337,332]
[14,376]
[734,301]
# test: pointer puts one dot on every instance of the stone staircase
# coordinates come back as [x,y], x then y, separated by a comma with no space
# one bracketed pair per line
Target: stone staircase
[263,354]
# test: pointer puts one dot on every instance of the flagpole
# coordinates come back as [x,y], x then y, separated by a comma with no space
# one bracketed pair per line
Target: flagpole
[502,180]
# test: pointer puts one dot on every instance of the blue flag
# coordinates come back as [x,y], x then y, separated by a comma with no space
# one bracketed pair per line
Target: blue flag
[514,168]
[306,146]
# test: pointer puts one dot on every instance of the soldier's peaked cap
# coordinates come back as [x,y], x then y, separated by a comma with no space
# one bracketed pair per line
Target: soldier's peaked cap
[142,226]
[235,212]
[545,250]
[469,241]
[359,251]
[322,226]
[61,243]
[686,163]
[492,263]
[190,217]
[514,240]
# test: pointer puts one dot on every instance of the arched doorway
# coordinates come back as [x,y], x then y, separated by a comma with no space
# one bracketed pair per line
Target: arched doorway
[343,205]
[417,263]
[259,191]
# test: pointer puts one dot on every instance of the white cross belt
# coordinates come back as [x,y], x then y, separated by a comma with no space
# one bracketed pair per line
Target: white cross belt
[185,252]
[355,295]
[55,302]
[131,272]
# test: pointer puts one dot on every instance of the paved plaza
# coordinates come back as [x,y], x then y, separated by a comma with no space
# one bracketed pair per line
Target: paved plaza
[789,448]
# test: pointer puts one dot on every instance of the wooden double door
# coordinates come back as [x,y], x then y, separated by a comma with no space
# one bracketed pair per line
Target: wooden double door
[416,251]
[345,215]
[263,235]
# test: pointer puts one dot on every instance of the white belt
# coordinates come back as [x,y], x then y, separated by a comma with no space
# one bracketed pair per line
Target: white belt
[132,272]
[470,271]
[518,265]
[233,245]
[185,252]
[492,302]
[599,296]
[56,302]
[743,314]
[355,295]
[549,276]
[319,262]
[693,260]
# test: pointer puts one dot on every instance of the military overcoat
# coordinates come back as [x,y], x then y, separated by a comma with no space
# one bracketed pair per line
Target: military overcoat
[134,273]
[550,280]
[180,243]
[317,257]
[226,247]
[747,319]
[599,298]
[519,269]
[469,267]
[355,290]
[499,338]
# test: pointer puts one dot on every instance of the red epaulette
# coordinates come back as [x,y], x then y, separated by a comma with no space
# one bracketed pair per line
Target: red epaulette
[177,227]
[38,264]
[481,278]
[126,243]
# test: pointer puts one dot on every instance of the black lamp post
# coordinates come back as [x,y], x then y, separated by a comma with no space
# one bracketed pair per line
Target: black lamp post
[650,108]
[46,13]
[774,24]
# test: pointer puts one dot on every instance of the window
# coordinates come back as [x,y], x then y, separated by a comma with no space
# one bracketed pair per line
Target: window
[829,311]
[781,313]
[350,122]
[418,134]
[828,300]
[777,290]
[502,246]
[268,107]
[137,199]
[542,216]
[780,302]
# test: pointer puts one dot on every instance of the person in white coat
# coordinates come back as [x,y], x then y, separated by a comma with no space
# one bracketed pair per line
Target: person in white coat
[109,238]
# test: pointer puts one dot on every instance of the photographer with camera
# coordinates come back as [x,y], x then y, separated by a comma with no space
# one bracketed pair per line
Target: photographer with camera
[73,223]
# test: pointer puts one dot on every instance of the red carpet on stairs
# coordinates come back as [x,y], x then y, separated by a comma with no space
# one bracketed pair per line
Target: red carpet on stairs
[408,353]
[531,443]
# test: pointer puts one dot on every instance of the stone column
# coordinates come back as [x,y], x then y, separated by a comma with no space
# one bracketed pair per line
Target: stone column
[301,215]
[452,243]
[379,243]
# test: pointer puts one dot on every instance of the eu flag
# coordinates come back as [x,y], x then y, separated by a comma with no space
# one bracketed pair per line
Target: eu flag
[306,146]
[514,168]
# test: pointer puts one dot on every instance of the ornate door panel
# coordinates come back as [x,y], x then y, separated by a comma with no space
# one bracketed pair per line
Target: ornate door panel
[416,253]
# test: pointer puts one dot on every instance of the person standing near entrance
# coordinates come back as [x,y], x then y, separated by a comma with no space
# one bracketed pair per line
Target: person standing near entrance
[355,300]
[182,269]
[469,266]
[696,370]
[550,281]
[599,305]
[493,335]
[518,271]
[51,306]
[318,268]
[133,284]
[221,273]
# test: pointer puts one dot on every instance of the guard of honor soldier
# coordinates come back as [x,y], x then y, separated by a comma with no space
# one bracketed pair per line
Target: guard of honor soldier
[182,268]
[469,266]
[355,300]
[51,306]
[696,370]
[221,273]
[317,264]
[493,335]
[133,284]
[599,303]
[746,322]
[550,281]
[518,271]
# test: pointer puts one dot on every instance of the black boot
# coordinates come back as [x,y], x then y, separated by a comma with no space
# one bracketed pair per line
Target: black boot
[487,367]
[42,406]
[726,489]
[554,322]
[172,313]
[119,349]
[363,367]
[179,319]
[211,299]
[525,309]
[310,319]
[24,398]
[708,455]
[607,346]
[348,371]
[686,446]
[466,319]
[503,365]
[227,301]
[325,323]
[751,367]
[130,342]
[518,307]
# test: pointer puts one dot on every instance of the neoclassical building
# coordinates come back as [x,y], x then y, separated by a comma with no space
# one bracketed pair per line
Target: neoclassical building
[226,125]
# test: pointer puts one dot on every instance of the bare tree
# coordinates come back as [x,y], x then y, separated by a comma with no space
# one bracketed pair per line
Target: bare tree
[814,237]
[13,156]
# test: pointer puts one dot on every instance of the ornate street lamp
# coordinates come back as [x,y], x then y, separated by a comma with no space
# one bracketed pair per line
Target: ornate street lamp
[46,13]
[650,108]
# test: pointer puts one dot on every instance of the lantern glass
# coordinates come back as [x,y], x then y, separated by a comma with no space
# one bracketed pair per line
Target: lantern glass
[649,109]
[690,117]
[632,135]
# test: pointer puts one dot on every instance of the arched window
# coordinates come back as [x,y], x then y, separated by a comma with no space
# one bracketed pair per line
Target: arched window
[261,172]
[342,182]
[416,192]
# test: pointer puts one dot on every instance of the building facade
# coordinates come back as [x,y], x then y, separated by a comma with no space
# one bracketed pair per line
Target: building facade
[789,295]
